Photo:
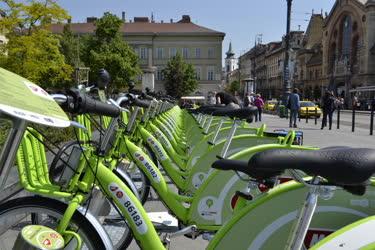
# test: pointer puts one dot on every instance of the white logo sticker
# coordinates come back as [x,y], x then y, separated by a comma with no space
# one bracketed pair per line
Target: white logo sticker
[207,208]
[130,209]
[198,179]
[36,90]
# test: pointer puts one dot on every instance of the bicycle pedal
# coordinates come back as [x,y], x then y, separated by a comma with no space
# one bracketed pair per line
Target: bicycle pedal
[163,222]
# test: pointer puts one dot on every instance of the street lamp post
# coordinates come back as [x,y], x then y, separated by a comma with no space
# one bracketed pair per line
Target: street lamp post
[287,86]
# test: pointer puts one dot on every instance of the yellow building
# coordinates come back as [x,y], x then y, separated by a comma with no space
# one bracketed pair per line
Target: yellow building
[157,42]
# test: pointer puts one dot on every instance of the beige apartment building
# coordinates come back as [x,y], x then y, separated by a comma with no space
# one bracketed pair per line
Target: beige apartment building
[309,76]
[157,42]
[274,60]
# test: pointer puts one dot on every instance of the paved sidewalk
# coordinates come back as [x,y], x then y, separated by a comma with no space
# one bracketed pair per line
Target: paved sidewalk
[314,136]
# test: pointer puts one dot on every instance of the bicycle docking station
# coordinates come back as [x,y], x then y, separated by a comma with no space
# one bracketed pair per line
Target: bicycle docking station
[37,237]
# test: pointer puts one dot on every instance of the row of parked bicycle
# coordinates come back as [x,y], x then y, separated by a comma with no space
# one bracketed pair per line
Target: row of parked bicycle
[236,184]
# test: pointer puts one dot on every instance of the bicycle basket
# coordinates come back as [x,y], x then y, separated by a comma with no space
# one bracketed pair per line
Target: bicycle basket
[33,168]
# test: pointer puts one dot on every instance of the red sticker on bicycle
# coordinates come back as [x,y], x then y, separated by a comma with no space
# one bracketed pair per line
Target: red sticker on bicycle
[313,236]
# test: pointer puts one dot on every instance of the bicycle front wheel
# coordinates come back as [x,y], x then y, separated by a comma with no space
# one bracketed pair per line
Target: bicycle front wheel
[34,210]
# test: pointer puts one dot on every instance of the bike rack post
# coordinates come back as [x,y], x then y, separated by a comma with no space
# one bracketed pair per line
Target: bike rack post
[204,121]
[213,141]
[230,136]
[338,117]
[131,122]
[353,119]
[10,148]
[316,115]
[200,116]
[372,120]
[208,124]
[307,115]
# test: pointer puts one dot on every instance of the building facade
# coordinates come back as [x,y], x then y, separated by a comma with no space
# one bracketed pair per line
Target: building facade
[3,39]
[274,60]
[230,63]
[349,46]
[309,76]
[157,42]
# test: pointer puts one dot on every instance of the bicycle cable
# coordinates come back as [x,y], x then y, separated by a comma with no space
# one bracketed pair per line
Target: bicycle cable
[109,198]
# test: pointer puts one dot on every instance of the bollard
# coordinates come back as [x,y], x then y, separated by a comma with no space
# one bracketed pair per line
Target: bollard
[372,120]
[338,117]
[316,115]
[307,115]
[353,118]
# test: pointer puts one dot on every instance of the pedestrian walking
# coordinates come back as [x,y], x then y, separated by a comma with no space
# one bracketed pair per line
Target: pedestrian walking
[259,103]
[248,100]
[328,105]
[294,106]
[212,98]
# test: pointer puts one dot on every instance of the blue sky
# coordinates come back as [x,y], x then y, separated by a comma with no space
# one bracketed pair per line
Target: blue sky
[241,20]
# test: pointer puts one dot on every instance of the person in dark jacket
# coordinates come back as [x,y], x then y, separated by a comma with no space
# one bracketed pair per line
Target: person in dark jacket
[294,106]
[328,105]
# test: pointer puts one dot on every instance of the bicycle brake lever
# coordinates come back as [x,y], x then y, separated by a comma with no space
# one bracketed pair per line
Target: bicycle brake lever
[113,102]
[78,125]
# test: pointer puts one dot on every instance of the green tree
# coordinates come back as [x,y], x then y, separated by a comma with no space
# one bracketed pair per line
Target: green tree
[32,51]
[70,47]
[234,87]
[37,58]
[107,49]
[179,77]
[33,16]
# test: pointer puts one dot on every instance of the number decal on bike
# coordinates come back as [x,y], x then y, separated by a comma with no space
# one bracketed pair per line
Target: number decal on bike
[142,159]
[163,139]
[167,132]
[130,209]
[157,148]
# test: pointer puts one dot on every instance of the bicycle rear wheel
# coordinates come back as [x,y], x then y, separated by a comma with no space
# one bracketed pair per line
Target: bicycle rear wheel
[32,210]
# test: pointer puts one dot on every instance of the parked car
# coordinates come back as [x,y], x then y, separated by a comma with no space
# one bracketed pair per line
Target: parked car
[270,105]
[309,109]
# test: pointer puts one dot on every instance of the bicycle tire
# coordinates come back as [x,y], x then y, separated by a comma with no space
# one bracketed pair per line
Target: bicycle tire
[53,209]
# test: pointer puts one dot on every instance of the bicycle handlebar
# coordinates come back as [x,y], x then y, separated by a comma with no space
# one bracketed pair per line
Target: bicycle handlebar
[79,103]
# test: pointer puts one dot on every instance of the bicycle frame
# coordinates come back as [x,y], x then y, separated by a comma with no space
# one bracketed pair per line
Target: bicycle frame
[7,157]
[266,232]
[353,236]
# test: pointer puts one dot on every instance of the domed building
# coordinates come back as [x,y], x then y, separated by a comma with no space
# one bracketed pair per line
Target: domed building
[349,46]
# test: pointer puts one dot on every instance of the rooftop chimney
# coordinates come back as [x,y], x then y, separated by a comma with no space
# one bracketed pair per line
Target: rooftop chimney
[91,19]
[185,19]
[123,16]
[141,20]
